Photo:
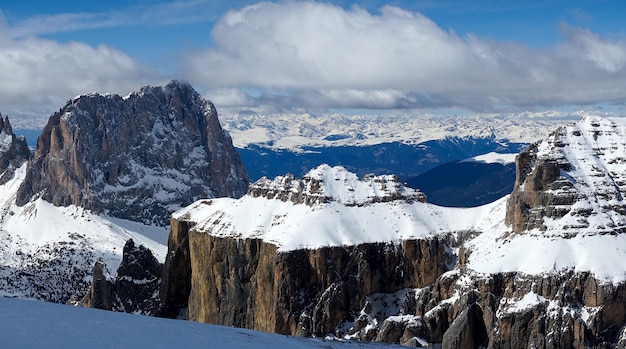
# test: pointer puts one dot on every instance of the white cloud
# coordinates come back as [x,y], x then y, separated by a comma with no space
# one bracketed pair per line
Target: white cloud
[40,75]
[319,54]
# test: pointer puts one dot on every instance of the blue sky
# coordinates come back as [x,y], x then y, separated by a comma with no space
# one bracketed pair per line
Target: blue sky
[306,56]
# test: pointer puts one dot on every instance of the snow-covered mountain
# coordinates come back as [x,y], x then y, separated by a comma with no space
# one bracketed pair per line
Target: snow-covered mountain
[105,169]
[48,252]
[288,131]
[542,267]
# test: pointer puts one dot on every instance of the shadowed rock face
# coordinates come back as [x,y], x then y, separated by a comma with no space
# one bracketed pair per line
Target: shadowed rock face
[13,150]
[134,288]
[249,283]
[137,157]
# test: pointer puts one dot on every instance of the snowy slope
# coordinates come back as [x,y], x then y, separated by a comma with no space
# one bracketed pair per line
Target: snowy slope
[48,252]
[589,237]
[288,131]
[23,325]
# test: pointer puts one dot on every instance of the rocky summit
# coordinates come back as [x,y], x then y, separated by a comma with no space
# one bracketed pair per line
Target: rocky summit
[138,157]
[13,150]
[576,177]
[336,256]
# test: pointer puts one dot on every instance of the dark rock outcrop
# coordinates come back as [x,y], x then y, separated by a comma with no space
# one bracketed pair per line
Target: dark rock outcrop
[135,287]
[13,150]
[176,286]
[138,157]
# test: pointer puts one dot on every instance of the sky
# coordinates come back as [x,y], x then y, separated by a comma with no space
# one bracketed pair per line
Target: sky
[317,57]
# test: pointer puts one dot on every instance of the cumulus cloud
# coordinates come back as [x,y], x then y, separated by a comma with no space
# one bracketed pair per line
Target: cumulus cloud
[40,75]
[322,55]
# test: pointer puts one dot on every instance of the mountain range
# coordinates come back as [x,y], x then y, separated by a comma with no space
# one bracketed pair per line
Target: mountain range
[407,146]
[329,253]
[371,259]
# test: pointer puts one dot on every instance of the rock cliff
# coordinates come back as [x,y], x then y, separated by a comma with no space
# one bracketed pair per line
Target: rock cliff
[13,150]
[137,157]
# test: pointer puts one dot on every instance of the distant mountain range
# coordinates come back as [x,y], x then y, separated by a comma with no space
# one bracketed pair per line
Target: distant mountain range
[294,132]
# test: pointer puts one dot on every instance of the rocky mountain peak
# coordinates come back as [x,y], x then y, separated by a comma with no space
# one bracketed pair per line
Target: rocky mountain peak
[573,181]
[13,150]
[139,157]
[334,184]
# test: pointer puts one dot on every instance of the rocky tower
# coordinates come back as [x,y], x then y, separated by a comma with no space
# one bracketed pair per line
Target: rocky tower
[137,157]
[573,181]
[13,150]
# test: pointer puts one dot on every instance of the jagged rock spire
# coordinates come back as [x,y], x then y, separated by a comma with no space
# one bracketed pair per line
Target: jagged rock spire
[13,150]
[138,157]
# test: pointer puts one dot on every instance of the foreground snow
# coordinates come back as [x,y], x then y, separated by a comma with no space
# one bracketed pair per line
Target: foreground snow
[24,325]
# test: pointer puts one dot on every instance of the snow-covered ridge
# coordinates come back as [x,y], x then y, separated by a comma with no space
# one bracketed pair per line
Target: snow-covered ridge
[289,131]
[579,217]
[342,210]
[325,184]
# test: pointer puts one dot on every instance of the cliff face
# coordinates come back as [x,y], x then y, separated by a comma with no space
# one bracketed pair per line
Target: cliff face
[250,283]
[402,293]
[138,157]
[13,151]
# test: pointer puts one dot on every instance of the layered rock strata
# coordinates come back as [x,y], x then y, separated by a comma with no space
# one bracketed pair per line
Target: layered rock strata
[575,176]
